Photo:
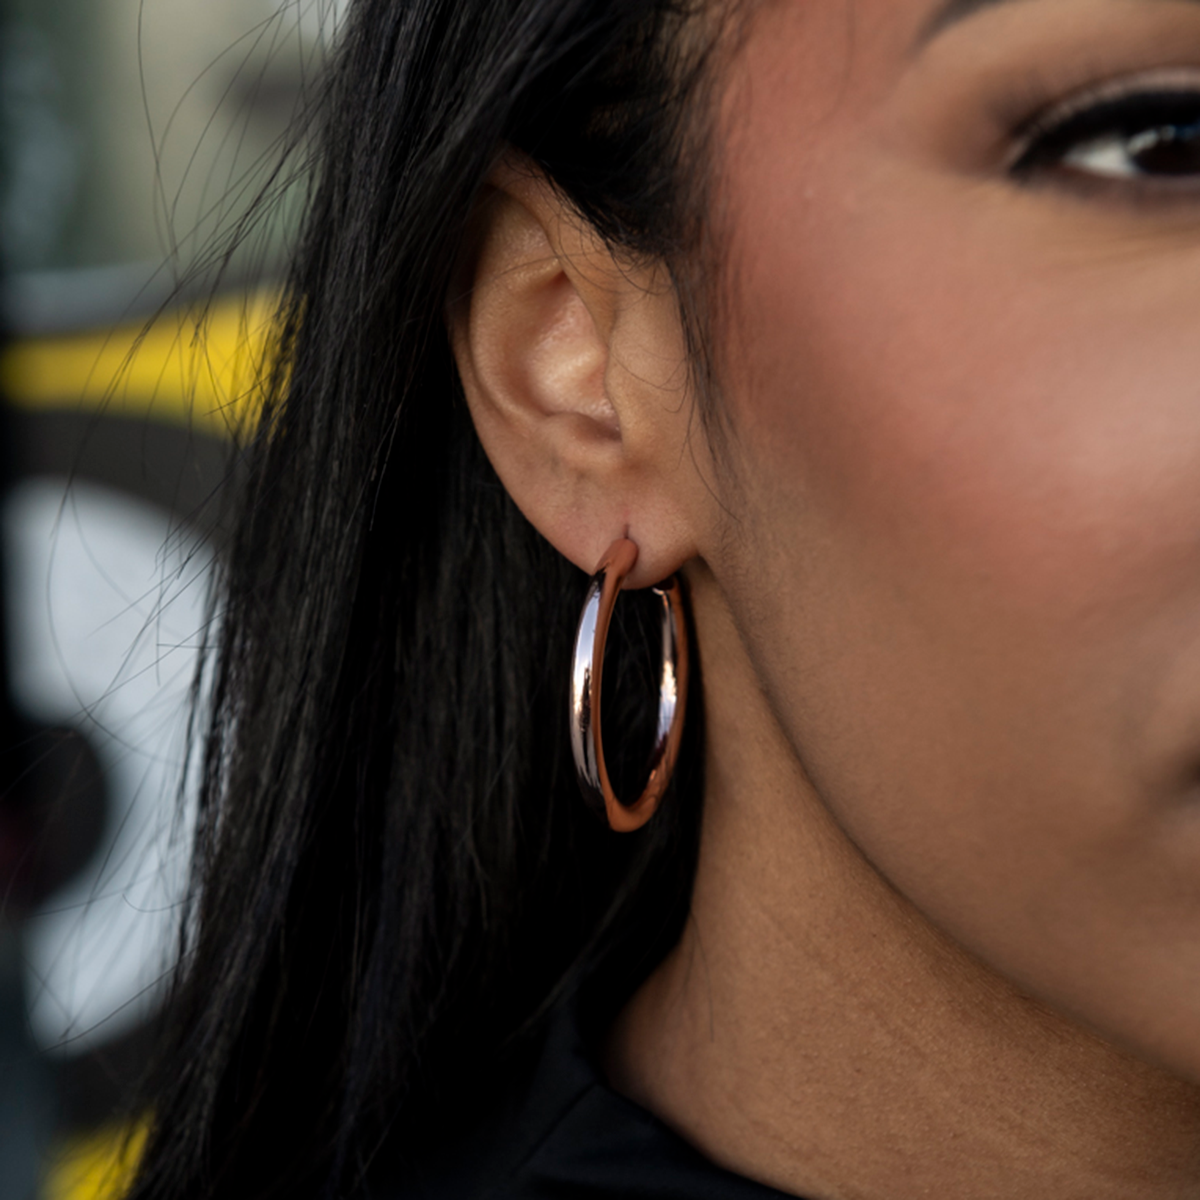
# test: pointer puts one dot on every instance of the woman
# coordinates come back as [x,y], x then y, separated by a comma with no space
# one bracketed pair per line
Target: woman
[874,322]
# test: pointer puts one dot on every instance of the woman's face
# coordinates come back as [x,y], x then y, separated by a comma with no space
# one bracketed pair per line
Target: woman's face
[962,373]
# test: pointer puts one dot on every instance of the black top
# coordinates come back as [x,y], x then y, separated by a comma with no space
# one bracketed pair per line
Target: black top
[564,1134]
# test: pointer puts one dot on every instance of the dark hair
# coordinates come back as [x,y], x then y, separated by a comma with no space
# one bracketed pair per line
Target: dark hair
[395,876]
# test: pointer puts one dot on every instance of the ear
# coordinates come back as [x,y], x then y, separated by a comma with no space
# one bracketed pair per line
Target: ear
[574,368]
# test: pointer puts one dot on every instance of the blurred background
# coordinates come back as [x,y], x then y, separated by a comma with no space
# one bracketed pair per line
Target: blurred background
[137,139]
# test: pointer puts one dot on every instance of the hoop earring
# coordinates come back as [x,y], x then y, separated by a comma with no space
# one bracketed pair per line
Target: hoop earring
[586,742]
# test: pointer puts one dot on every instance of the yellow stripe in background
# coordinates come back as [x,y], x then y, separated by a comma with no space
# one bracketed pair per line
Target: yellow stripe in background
[201,370]
[95,1166]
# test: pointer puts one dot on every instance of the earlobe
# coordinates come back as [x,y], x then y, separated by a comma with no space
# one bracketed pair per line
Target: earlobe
[544,333]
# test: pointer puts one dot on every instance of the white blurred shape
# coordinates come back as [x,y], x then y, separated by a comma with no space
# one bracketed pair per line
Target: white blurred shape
[106,602]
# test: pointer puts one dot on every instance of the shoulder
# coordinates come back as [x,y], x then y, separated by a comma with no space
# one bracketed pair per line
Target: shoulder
[561,1132]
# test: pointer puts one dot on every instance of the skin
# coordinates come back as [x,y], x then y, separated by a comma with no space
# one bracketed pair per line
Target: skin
[946,593]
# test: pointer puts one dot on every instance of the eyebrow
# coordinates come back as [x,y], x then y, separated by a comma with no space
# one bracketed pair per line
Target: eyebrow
[951,12]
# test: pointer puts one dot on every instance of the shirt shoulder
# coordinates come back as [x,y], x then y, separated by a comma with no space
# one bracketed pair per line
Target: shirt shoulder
[563,1134]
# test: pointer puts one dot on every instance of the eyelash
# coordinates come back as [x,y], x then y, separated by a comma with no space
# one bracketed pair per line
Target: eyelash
[1138,120]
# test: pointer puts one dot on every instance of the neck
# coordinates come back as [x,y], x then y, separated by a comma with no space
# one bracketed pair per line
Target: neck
[813,1031]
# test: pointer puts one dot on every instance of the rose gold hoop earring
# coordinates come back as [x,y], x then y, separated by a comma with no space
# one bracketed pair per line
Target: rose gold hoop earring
[586,741]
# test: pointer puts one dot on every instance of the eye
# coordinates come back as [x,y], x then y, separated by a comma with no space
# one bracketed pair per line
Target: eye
[1140,135]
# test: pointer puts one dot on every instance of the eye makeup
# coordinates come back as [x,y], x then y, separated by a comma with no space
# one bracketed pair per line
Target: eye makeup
[1144,127]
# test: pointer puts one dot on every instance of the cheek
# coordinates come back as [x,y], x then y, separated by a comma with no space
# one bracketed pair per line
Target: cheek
[938,389]
[970,575]
[979,427]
